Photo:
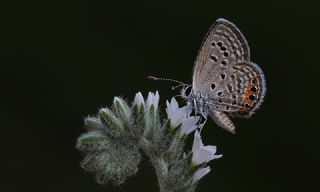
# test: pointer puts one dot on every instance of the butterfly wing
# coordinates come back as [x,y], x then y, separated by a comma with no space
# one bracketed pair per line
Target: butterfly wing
[223,46]
[246,89]
[224,75]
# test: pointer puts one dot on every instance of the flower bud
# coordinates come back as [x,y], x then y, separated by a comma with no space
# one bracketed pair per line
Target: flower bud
[113,124]
[122,110]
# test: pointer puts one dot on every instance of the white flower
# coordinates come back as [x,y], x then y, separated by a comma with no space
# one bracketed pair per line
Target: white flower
[189,125]
[181,116]
[153,99]
[200,153]
[176,114]
[138,99]
[201,173]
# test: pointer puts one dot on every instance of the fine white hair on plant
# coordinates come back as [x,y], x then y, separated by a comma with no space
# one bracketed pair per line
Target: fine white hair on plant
[117,136]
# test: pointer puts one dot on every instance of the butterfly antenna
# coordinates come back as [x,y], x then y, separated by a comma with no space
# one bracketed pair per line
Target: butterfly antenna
[175,87]
[165,79]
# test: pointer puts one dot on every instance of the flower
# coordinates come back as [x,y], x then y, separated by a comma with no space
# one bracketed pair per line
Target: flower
[152,99]
[181,116]
[201,173]
[189,125]
[138,99]
[200,153]
[176,114]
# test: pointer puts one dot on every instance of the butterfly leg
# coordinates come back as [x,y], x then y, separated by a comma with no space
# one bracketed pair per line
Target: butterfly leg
[201,114]
[201,125]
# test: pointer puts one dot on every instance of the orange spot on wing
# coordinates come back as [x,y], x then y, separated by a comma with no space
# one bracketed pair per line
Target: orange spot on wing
[248,93]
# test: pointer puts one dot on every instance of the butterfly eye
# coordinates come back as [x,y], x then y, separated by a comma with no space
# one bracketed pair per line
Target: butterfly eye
[188,90]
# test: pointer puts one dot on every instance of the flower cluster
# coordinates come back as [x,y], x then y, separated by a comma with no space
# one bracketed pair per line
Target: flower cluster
[200,154]
[117,136]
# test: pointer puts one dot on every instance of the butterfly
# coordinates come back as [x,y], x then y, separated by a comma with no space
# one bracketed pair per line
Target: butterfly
[225,83]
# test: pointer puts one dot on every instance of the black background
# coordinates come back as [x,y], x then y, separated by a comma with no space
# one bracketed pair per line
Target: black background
[63,60]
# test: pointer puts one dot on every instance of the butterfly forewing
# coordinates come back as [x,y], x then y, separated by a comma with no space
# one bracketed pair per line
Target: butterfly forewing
[223,46]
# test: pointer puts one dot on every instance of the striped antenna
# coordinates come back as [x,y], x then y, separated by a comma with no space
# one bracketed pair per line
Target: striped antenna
[165,79]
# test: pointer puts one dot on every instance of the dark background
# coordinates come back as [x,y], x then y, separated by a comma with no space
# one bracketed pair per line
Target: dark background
[64,60]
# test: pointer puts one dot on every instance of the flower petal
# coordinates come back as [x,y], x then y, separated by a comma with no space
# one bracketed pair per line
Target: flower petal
[201,173]
[175,114]
[201,153]
[189,125]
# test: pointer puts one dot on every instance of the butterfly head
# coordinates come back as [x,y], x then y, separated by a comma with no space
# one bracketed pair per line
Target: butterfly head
[186,92]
